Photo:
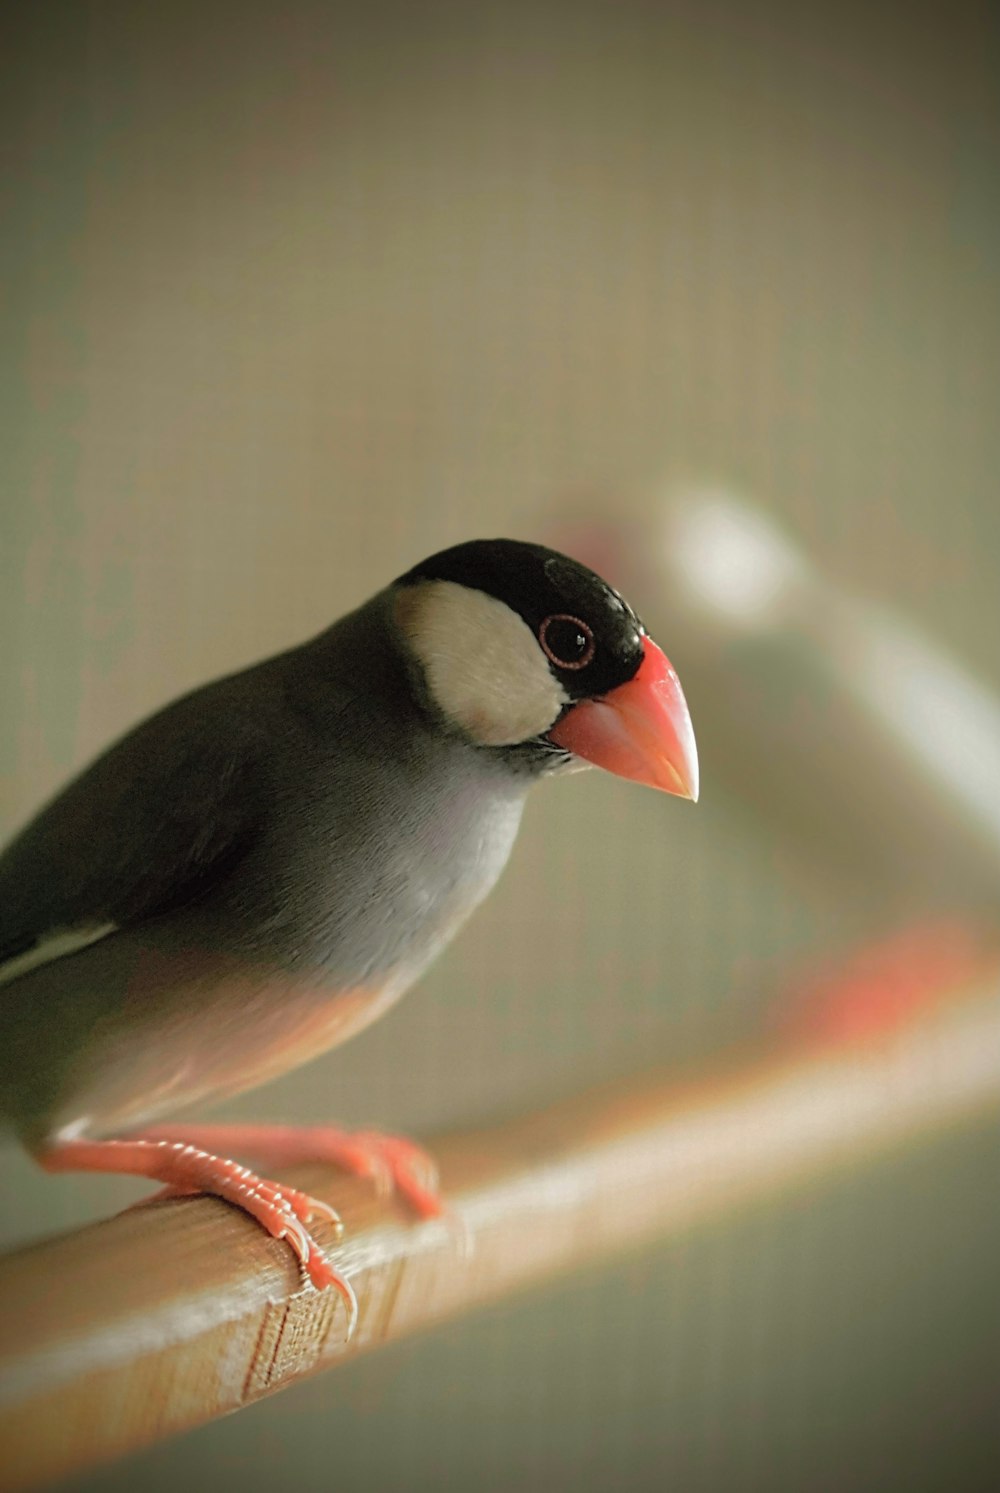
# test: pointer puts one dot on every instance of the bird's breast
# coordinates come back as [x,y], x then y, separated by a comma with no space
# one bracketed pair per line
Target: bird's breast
[373,896]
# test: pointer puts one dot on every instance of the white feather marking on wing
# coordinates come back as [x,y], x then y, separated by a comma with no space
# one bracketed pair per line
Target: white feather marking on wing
[54,945]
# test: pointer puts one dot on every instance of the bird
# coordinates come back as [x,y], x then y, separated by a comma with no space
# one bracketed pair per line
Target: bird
[260,869]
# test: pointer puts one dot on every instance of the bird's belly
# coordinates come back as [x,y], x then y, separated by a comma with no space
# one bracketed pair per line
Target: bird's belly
[254,1033]
[151,1021]
[154,1029]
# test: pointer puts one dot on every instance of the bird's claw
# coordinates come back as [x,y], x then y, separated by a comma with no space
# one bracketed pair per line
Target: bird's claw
[324,1277]
[398,1165]
[320,1212]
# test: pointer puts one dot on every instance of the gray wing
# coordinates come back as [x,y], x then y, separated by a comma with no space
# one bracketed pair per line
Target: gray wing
[156,823]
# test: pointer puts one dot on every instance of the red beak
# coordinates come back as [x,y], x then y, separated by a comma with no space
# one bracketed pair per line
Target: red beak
[641,730]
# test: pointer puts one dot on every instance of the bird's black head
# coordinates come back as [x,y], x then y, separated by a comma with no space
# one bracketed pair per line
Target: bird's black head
[520,648]
[587,638]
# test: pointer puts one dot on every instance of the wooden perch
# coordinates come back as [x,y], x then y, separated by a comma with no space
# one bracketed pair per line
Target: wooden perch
[178,1311]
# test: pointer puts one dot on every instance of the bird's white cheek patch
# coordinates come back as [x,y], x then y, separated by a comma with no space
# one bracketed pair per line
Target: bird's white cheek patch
[484,667]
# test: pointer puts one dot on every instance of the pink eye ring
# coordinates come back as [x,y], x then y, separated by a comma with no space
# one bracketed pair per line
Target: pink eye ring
[567,641]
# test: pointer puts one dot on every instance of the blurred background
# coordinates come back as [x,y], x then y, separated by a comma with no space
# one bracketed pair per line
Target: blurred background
[297,294]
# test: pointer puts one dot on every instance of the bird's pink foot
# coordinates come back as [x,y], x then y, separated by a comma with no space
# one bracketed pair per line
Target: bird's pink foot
[185,1167]
[393,1163]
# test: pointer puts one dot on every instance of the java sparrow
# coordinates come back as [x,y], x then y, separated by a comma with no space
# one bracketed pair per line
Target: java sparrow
[259,870]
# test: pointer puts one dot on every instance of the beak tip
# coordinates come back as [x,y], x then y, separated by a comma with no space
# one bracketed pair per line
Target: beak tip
[686,761]
[690,787]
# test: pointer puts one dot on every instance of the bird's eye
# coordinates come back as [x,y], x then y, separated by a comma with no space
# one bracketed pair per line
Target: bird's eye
[567,641]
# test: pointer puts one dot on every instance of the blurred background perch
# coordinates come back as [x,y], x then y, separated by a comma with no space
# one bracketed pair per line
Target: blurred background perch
[174,1313]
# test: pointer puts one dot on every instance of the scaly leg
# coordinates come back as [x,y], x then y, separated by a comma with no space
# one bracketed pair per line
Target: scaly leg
[186,1167]
[393,1163]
